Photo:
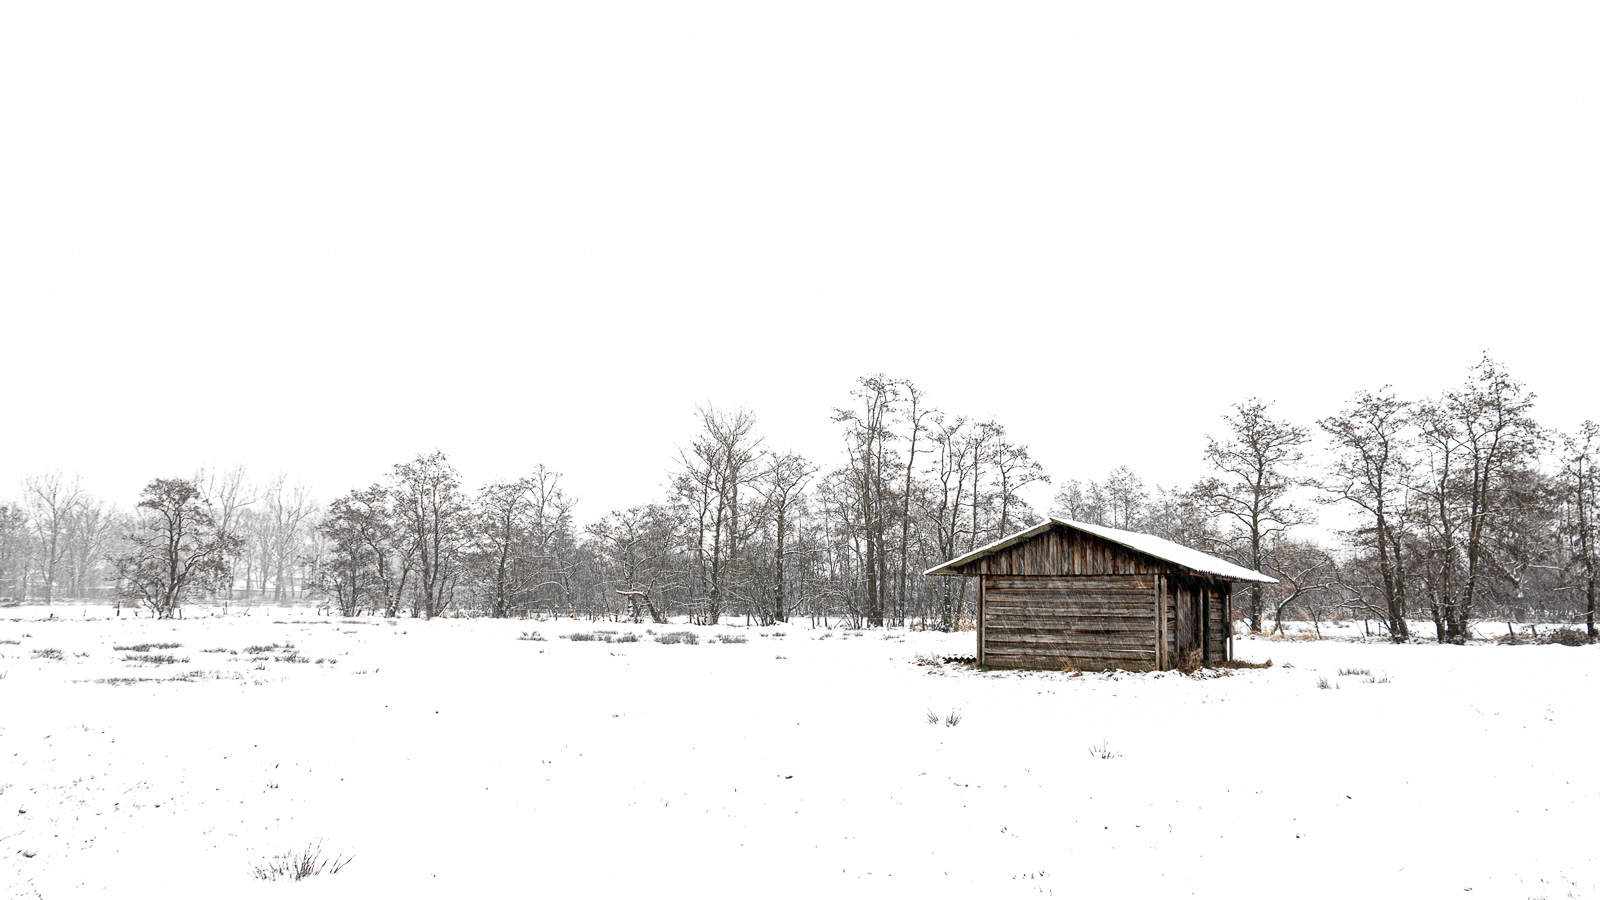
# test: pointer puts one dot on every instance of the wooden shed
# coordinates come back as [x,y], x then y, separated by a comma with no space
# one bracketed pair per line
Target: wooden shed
[1064,594]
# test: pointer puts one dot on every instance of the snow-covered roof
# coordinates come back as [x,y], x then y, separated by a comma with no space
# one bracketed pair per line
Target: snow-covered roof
[1148,544]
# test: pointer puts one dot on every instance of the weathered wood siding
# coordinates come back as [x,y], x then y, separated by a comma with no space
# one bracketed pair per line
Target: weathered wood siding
[1217,649]
[1196,613]
[1091,622]
[1064,598]
[1061,551]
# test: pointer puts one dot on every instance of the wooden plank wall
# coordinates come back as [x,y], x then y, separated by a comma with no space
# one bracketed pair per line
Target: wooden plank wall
[1059,622]
[1185,619]
[1171,655]
[1062,551]
[1217,648]
[1192,598]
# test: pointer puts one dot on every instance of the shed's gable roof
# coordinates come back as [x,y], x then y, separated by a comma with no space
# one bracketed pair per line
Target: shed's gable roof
[1148,544]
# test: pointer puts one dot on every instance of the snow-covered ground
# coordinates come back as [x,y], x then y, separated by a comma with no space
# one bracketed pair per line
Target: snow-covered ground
[453,758]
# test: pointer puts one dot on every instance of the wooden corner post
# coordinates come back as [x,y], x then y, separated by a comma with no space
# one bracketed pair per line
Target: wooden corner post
[1162,661]
[981,660]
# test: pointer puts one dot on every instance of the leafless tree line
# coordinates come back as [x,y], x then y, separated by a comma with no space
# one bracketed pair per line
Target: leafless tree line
[61,542]
[1463,509]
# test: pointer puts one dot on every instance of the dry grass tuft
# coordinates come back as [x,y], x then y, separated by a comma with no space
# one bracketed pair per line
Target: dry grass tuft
[1566,637]
[153,659]
[299,865]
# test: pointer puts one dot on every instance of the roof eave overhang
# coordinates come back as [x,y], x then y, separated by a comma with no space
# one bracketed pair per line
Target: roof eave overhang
[950,567]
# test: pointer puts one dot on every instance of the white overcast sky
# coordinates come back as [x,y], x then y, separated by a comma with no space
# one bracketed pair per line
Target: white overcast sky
[318,238]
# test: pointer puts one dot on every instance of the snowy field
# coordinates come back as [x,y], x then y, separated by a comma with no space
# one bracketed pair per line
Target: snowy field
[455,758]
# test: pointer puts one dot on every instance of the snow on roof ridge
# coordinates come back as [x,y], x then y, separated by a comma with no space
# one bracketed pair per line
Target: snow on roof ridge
[1148,544]
[1172,552]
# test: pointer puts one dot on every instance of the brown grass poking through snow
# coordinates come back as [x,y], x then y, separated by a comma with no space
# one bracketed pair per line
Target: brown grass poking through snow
[298,865]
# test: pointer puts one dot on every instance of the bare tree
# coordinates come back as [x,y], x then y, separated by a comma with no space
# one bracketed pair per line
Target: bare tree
[1255,474]
[721,461]
[1476,441]
[782,485]
[1304,571]
[913,421]
[1179,516]
[954,455]
[1126,498]
[229,495]
[1014,469]
[90,530]
[1071,502]
[635,546]
[500,523]
[867,438]
[1498,435]
[369,564]
[286,513]
[176,551]
[1370,471]
[14,541]
[431,514]
[1579,456]
[550,557]
[51,499]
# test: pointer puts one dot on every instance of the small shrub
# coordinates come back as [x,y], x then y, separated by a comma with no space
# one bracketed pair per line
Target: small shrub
[10,642]
[679,637]
[1103,750]
[582,636]
[220,650]
[153,659]
[1381,679]
[1322,684]
[531,636]
[48,653]
[263,649]
[299,865]
[146,648]
[628,638]
[730,639]
[950,719]
[1343,672]
[1566,637]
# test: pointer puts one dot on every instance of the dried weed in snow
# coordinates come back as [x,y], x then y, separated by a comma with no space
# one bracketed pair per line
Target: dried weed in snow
[299,865]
